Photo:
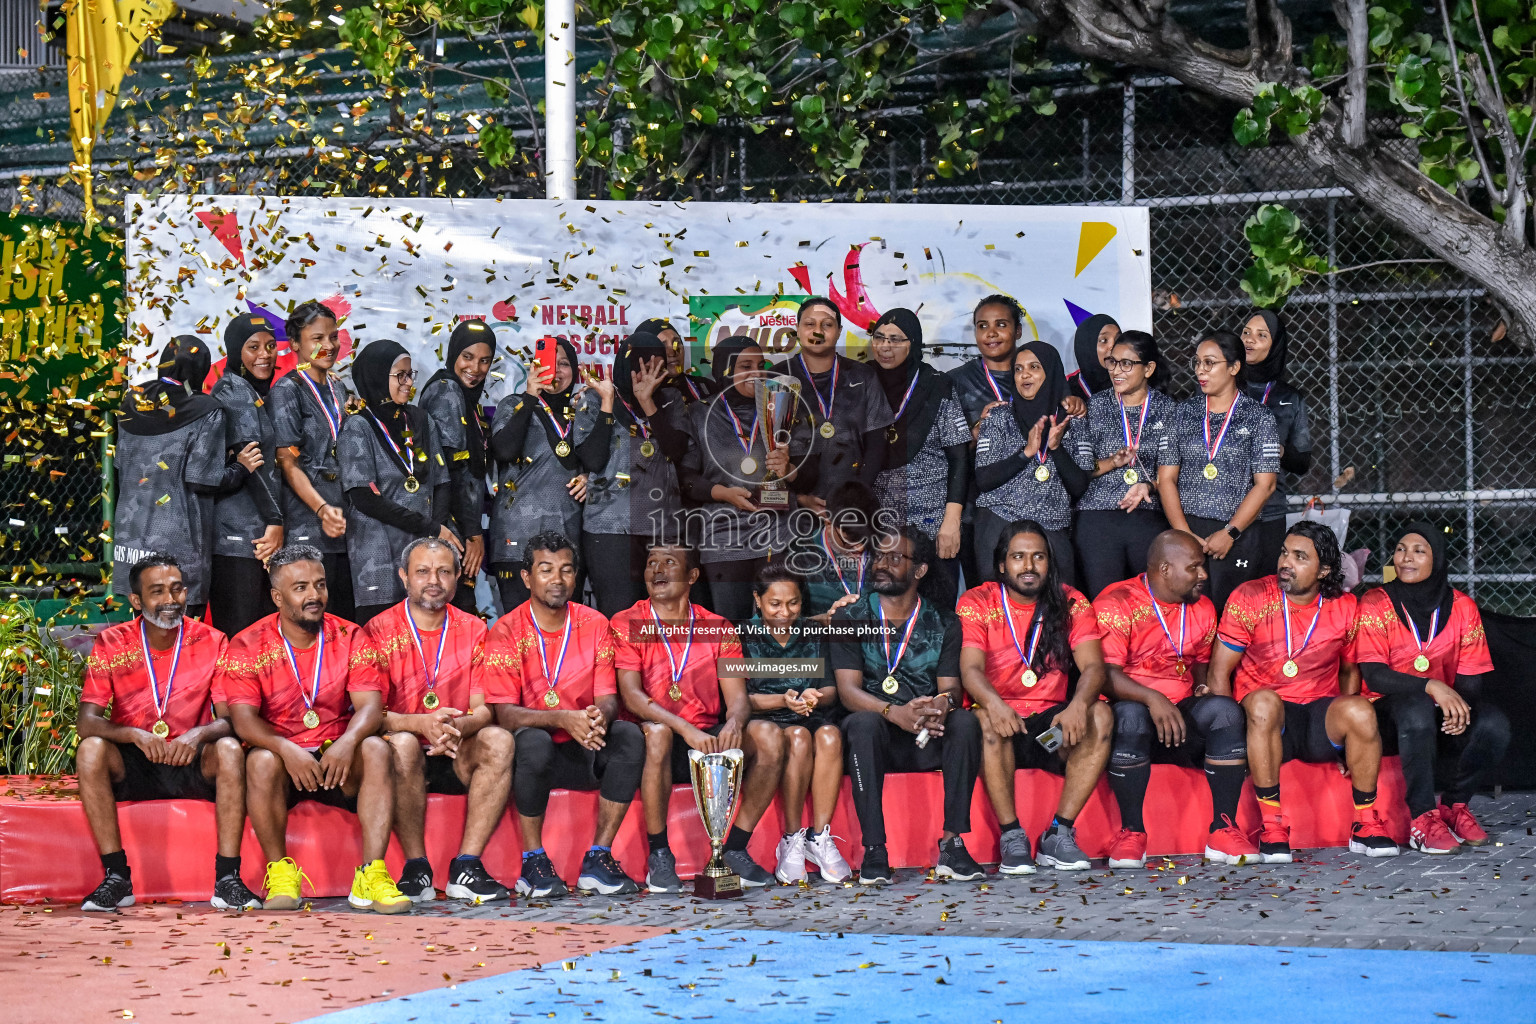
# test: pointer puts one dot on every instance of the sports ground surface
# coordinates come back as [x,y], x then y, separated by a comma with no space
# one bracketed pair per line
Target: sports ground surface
[1332,937]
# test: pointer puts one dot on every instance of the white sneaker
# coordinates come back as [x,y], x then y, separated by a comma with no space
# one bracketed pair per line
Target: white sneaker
[825,855]
[791,858]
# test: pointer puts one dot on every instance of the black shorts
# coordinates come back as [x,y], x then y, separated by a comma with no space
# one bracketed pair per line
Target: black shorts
[1029,754]
[329,797]
[145,780]
[441,778]
[1305,733]
[680,772]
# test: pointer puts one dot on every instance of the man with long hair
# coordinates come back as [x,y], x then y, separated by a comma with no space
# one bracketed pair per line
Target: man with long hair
[1021,634]
[1287,654]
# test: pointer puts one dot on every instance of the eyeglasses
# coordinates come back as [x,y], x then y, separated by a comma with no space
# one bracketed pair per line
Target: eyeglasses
[1208,365]
[404,376]
[891,339]
[1124,364]
[894,557]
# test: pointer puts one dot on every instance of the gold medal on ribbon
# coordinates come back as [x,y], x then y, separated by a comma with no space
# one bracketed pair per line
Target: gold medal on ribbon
[827,430]
[1130,476]
[891,434]
[429,700]
[563,449]
[311,719]
[552,699]
[1181,668]
[748,466]
[1029,678]
[890,685]
[1290,669]
[647,449]
[675,692]
[1421,664]
[412,485]
[1042,472]
[160,729]
[1210,471]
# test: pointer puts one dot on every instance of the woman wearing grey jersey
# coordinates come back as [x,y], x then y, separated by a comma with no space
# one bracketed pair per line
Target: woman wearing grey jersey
[543,456]
[452,398]
[308,407]
[171,461]
[633,500]
[248,522]
[394,475]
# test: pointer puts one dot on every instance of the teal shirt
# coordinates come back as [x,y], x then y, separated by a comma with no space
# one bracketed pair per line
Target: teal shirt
[823,588]
[933,651]
[807,640]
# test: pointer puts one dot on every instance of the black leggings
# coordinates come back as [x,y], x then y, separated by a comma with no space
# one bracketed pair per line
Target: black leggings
[990,526]
[1215,730]
[1271,539]
[1410,726]
[616,567]
[1113,545]
[240,593]
[874,745]
[1241,564]
[541,764]
[730,585]
[338,580]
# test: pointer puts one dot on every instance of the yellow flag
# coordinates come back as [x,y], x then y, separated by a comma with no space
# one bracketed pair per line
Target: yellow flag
[103,38]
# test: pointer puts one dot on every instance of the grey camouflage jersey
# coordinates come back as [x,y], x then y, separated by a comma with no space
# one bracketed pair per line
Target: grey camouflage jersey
[858,407]
[238,517]
[300,423]
[1104,434]
[373,547]
[531,494]
[635,494]
[724,532]
[922,485]
[1250,446]
[157,510]
[1023,497]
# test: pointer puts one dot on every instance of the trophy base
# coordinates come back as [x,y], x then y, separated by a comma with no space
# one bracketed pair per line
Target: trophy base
[773,497]
[718,887]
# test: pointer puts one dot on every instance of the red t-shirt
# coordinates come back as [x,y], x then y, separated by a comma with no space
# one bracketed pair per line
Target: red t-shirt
[404,677]
[984,628]
[1459,647]
[115,677]
[1135,641]
[638,648]
[1254,621]
[256,671]
[515,673]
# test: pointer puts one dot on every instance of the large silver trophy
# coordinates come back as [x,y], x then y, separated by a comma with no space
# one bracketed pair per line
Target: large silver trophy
[717,791]
[777,396]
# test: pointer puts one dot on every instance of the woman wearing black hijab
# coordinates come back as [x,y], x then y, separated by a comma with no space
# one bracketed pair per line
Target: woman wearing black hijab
[1024,462]
[1091,344]
[925,459]
[1424,661]
[1265,343]
[171,461]
[543,454]
[679,375]
[634,497]
[249,520]
[453,399]
[394,475]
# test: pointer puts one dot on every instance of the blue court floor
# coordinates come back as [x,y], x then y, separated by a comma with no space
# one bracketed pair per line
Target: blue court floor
[798,978]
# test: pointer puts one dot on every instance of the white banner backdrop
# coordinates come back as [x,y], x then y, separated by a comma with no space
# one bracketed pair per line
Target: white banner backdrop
[589,271]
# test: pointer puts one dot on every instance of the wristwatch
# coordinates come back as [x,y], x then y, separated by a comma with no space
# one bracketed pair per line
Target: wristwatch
[1233,531]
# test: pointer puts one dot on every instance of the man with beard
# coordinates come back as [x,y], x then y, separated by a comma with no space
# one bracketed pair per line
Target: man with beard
[158,742]
[665,655]
[437,721]
[304,695]
[549,676]
[1157,635]
[1287,654]
[1022,634]
[897,659]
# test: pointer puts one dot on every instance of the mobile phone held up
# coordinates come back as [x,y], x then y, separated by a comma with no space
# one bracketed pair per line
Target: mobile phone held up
[545,352]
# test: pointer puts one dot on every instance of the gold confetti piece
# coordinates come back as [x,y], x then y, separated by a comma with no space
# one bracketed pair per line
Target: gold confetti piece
[164,499]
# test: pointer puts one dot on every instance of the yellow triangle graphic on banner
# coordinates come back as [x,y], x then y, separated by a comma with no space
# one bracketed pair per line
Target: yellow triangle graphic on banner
[1094,237]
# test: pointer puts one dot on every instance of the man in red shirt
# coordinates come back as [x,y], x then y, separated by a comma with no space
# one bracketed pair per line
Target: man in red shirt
[1158,630]
[304,695]
[1287,654]
[665,650]
[437,722]
[1018,636]
[549,676]
[146,732]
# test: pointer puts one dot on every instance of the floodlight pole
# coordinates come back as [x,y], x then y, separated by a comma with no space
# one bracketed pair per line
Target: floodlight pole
[560,99]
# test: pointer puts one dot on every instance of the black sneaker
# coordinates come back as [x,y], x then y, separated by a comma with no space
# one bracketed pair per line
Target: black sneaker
[956,862]
[114,892]
[661,872]
[468,880]
[539,879]
[230,893]
[601,874]
[416,882]
[752,875]
[875,869]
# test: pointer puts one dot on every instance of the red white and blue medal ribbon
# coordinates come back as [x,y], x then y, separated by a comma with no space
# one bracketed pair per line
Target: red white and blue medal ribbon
[1029,678]
[837,567]
[1421,661]
[1134,443]
[551,678]
[406,458]
[332,422]
[743,438]
[431,699]
[1290,667]
[673,666]
[1178,648]
[160,728]
[1264,398]
[1211,450]
[311,717]
[555,420]
[997,392]
[639,421]
[831,402]
[891,684]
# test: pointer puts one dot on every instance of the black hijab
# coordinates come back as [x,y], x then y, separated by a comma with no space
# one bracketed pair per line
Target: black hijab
[470,332]
[1085,343]
[559,403]
[1418,601]
[1047,401]
[370,379]
[654,326]
[639,347]
[175,397]
[723,363]
[1272,369]
[236,333]
[912,426]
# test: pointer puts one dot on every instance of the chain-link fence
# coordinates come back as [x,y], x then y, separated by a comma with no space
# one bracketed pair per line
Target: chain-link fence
[1415,409]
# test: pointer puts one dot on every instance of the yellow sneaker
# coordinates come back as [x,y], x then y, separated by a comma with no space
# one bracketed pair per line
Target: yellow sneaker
[282,885]
[373,889]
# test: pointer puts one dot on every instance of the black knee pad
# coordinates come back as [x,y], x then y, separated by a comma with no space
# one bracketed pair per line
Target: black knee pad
[1133,735]
[626,742]
[1221,721]
[532,749]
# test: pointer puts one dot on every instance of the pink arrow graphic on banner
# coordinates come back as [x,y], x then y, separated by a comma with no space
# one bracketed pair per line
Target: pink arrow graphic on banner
[853,302]
[227,230]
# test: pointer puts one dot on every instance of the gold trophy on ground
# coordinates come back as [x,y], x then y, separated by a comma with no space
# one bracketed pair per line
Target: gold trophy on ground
[717,792]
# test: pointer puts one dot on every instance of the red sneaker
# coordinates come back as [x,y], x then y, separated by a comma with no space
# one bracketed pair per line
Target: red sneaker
[1458,819]
[1230,845]
[1274,840]
[1369,835]
[1427,834]
[1128,849]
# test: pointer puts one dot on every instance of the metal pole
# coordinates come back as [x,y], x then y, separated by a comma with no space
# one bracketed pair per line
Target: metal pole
[1333,348]
[560,99]
[1128,145]
[1467,439]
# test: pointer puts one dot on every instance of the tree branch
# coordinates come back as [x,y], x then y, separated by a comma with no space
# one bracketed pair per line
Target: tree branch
[1353,16]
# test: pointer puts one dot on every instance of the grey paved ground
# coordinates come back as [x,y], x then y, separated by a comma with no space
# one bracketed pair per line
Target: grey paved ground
[1480,900]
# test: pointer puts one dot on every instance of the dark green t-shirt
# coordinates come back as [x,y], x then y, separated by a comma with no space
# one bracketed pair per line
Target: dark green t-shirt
[807,640]
[825,582]
[934,650]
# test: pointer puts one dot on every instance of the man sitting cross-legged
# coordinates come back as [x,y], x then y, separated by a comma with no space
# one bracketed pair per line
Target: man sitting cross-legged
[549,677]
[437,722]
[303,694]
